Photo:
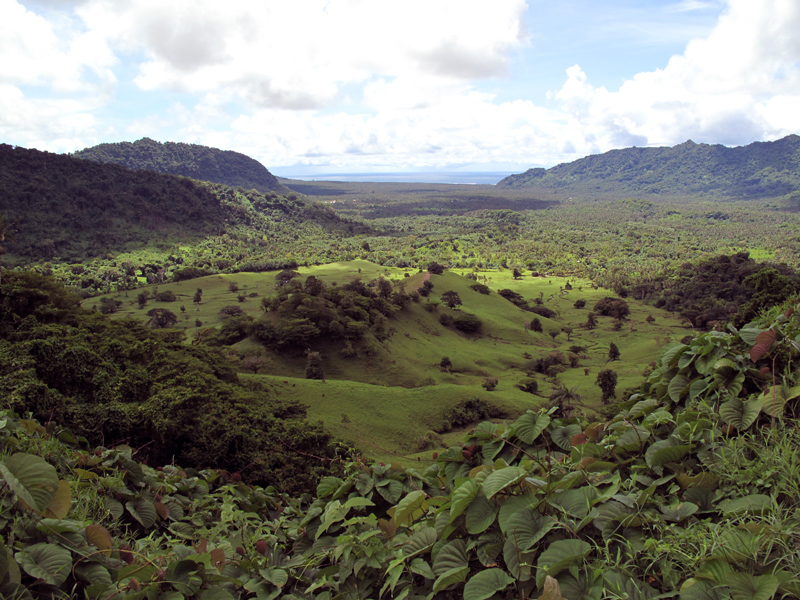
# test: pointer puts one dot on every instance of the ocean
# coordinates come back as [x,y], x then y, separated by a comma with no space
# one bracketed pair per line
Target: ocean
[464,178]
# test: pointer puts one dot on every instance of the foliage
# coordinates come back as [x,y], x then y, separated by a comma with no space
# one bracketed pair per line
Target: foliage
[467,322]
[613,352]
[607,382]
[190,160]
[612,307]
[645,504]
[759,169]
[116,380]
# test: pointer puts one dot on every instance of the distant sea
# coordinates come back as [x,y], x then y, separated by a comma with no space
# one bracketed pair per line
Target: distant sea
[475,177]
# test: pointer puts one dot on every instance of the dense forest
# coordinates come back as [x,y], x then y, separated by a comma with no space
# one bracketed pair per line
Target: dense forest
[190,160]
[340,390]
[759,170]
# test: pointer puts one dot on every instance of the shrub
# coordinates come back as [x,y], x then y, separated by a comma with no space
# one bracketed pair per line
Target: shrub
[231,311]
[543,311]
[612,307]
[489,383]
[468,323]
[435,268]
[579,303]
[446,319]
[168,296]
[529,385]
[481,288]
[536,325]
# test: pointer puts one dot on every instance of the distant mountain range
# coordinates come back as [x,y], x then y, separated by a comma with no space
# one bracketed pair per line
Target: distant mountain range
[190,160]
[758,170]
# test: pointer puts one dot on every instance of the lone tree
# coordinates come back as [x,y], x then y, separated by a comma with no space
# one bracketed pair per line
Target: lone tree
[435,268]
[516,274]
[314,366]
[613,352]
[161,318]
[536,325]
[591,321]
[446,364]
[451,298]
[607,382]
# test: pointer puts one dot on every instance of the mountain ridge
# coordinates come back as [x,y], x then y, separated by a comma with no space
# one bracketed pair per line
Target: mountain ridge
[757,170]
[195,161]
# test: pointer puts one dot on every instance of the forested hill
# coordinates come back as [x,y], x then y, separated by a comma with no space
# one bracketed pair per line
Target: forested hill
[758,170]
[190,160]
[71,210]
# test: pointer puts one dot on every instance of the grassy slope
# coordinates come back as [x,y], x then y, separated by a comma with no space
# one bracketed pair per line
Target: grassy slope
[392,397]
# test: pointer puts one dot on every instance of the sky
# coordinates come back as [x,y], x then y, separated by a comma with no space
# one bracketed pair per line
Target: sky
[379,86]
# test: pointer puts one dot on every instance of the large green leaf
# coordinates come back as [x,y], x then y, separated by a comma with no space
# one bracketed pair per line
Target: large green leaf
[452,555]
[702,589]
[563,435]
[410,508]
[744,586]
[665,451]
[462,496]
[31,478]
[480,515]
[530,426]
[672,354]
[511,506]
[420,542]
[450,577]
[678,387]
[390,489]
[575,502]
[756,504]
[486,584]
[559,556]
[143,511]
[327,486]
[740,413]
[51,563]
[501,479]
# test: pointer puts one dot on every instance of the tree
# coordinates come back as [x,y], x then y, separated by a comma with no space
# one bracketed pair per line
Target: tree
[591,321]
[536,325]
[579,303]
[314,366]
[516,274]
[613,352]
[607,382]
[562,398]
[384,288]
[161,318]
[553,333]
[489,383]
[198,298]
[568,331]
[467,322]
[141,299]
[435,268]
[451,298]
[6,237]
[445,364]
[612,307]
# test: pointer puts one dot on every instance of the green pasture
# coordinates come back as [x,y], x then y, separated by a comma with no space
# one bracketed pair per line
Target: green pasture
[385,399]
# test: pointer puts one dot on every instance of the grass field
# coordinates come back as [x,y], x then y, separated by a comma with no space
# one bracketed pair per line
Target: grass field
[394,392]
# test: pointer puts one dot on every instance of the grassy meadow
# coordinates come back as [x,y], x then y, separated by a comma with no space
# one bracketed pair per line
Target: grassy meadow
[390,397]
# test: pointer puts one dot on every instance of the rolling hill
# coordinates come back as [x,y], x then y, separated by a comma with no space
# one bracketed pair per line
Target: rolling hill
[190,160]
[758,170]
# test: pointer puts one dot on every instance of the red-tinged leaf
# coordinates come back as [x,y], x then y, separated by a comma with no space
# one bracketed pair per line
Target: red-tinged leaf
[764,371]
[758,351]
[218,557]
[579,439]
[201,546]
[767,336]
[162,510]
[789,312]
[99,537]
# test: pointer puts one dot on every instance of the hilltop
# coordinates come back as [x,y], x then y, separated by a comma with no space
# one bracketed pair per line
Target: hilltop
[67,210]
[190,160]
[758,170]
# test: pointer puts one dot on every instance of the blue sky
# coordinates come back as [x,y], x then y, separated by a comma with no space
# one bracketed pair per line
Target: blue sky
[325,86]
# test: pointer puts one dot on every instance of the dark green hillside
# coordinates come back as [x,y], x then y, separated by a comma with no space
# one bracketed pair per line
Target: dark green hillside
[69,208]
[190,160]
[66,210]
[116,381]
[758,170]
